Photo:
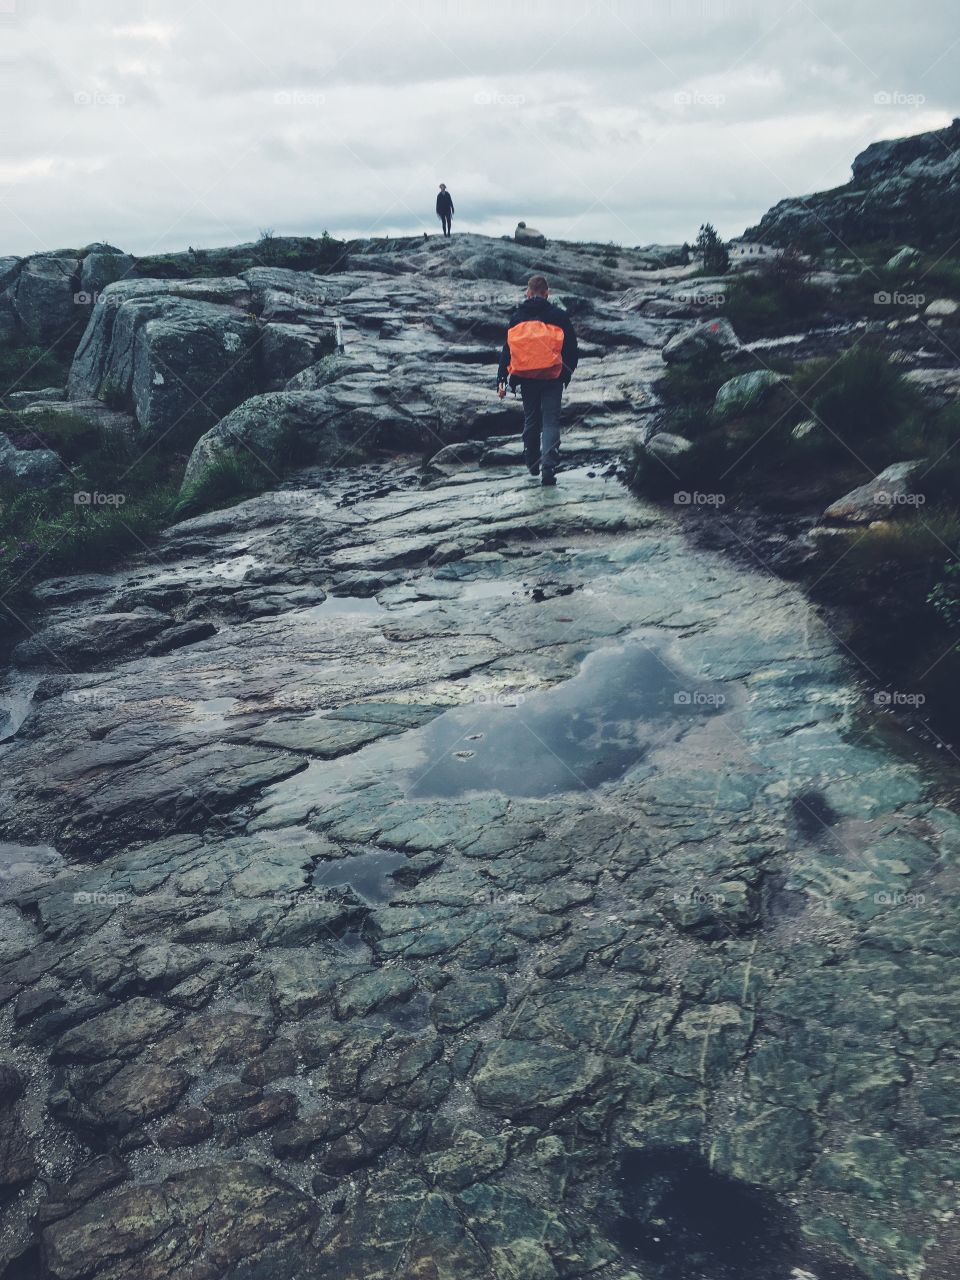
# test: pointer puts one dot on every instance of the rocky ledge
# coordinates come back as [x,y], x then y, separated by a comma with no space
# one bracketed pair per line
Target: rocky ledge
[414,872]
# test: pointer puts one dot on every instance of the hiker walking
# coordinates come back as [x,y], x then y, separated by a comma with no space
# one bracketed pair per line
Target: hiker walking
[445,208]
[539,355]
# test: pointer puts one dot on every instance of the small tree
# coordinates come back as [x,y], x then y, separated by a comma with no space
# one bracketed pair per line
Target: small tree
[712,250]
[685,254]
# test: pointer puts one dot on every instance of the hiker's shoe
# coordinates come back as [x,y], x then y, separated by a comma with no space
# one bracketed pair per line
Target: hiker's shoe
[548,477]
[533,468]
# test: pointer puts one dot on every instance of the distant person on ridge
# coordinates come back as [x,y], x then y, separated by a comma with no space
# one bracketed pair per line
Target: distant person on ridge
[539,355]
[445,208]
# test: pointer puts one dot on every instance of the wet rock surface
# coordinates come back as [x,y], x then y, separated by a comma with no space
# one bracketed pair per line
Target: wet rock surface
[470,840]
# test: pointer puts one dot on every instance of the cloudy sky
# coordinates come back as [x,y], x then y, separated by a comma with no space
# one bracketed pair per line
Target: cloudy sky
[155,124]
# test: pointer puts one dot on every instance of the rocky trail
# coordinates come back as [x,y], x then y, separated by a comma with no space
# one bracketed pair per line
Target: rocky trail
[428,875]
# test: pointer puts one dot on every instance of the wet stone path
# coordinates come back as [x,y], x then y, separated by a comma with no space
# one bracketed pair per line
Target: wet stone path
[484,884]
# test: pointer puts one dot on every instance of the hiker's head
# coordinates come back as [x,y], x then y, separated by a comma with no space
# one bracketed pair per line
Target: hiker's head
[443,186]
[537,287]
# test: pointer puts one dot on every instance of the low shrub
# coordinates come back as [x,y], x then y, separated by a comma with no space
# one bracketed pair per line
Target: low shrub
[31,367]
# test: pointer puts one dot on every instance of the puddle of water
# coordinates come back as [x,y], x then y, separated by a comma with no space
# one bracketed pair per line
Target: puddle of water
[212,713]
[342,606]
[588,730]
[689,1223]
[367,874]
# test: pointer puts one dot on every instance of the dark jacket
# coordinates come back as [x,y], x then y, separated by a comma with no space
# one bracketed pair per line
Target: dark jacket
[444,204]
[542,309]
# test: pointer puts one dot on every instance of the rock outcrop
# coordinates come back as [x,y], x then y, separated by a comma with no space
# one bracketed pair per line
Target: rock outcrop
[888,494]
[529,236]
[906,189]
[48,296]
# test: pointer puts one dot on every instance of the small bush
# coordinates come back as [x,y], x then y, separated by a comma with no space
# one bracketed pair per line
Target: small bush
[770,303]
[67,434]
[29,367]
[861,398]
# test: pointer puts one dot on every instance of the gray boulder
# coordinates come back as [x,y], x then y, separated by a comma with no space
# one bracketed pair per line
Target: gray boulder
[887,494]
[666,447]
[101,268]
[168,352]
[942,308]
[330,369]
[277,293]
[710,336]
[529,236]
[745,392]
[286,349]
[267,432]
[9,270]
[903,258]
[45,300]
[29,468]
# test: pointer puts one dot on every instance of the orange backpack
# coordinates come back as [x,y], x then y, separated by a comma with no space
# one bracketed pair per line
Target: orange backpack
[535,349]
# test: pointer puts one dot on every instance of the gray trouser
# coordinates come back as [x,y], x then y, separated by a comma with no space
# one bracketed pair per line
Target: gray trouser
[541,420]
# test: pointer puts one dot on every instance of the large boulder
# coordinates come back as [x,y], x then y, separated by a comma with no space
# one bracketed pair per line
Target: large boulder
[45,299]
[904,190]
[267,432]
[286,349]
[713,336]
[330,369]
[29,468]
[9,270]
[179,354]
[101,268]
[745,392]
[529,236]
[887,494]
[666,447]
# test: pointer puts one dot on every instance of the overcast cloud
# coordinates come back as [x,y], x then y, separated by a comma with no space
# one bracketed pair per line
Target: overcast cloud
[158,125]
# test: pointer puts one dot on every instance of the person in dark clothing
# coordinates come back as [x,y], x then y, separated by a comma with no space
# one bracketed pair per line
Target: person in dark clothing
[540,356]
[445,208]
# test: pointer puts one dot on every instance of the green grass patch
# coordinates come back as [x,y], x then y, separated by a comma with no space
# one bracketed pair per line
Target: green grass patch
[111,500]
[31,367]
